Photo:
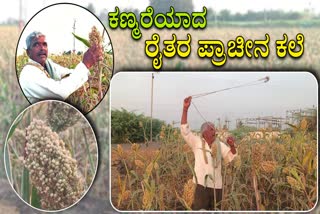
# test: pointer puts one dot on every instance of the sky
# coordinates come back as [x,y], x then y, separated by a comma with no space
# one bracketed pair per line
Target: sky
[284,91]
[59,22]
[59,36]
[30,7]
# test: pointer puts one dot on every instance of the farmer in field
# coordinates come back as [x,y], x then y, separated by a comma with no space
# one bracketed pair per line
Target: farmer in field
[42,79]
[208,153]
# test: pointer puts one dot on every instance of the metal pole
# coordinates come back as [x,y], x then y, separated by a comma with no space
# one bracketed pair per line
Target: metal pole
[74,31]
[151,108]
[20,16]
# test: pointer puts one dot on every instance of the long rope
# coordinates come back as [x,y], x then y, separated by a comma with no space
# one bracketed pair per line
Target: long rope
[256,82]
[194,105]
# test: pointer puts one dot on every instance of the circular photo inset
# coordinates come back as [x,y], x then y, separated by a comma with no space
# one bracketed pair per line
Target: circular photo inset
[51,155]
[64,53]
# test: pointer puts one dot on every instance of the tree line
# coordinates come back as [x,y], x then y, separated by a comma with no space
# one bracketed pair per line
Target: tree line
[212,15]
[128,126]
[221,16]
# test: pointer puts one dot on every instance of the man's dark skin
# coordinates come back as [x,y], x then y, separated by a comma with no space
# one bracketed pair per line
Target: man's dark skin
[39,52]
[209,134]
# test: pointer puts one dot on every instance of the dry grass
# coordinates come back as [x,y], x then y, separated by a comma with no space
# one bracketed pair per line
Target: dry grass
[125,48]
[12,100]
[255,180]
[160,174]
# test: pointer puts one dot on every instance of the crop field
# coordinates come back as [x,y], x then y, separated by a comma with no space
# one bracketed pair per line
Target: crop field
[125,47]
[13,102]
[139,182]
[277,173]
[151,187]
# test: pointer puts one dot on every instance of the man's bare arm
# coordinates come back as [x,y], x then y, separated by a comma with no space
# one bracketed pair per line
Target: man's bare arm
[186,105]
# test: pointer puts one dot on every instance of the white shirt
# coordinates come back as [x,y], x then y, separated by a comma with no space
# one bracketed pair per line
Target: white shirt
[37,86]
[200,167]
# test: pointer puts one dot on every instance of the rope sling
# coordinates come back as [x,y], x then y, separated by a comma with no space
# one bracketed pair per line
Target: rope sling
[251,83]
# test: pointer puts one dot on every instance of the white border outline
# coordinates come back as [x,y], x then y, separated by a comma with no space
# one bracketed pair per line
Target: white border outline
[97,161]
[212,211]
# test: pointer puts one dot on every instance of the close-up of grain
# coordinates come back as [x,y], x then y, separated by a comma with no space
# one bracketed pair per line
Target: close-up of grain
[51,155]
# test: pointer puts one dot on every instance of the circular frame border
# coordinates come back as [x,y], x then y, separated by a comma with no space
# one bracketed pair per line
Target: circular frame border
[65,3]
[97,161]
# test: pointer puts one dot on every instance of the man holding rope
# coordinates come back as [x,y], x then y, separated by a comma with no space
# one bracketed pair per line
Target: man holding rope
[208,153]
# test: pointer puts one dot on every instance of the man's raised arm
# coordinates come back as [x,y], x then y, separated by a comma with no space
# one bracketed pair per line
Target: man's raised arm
[186,105]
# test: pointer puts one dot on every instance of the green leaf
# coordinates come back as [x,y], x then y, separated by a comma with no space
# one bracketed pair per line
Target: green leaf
[15,152]
[92,165]
[295,174]
[14,126]
[182,201]
[84,41]
[206,178]
[192,169]
[295,128]
[25,186]
[8,164]
[35,199]
[136,177]
[236,201]
[6,153]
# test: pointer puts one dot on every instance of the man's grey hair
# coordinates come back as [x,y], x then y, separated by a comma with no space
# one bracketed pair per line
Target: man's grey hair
[205,125]
[34,34]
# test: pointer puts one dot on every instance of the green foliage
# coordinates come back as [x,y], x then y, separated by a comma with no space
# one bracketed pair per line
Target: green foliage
[21,60]
[305,23]
[25,185]
[10,107]
[267,15]
[129,126]
[179,5]
[242,131]
[35,199]
[84,41]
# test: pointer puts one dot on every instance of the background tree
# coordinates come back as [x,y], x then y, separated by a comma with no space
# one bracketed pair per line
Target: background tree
[129,126]
[225,15]
[91,8]
[179,5]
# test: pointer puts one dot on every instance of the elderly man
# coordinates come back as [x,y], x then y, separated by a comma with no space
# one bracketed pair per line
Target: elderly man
[208,153]
[42,79]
